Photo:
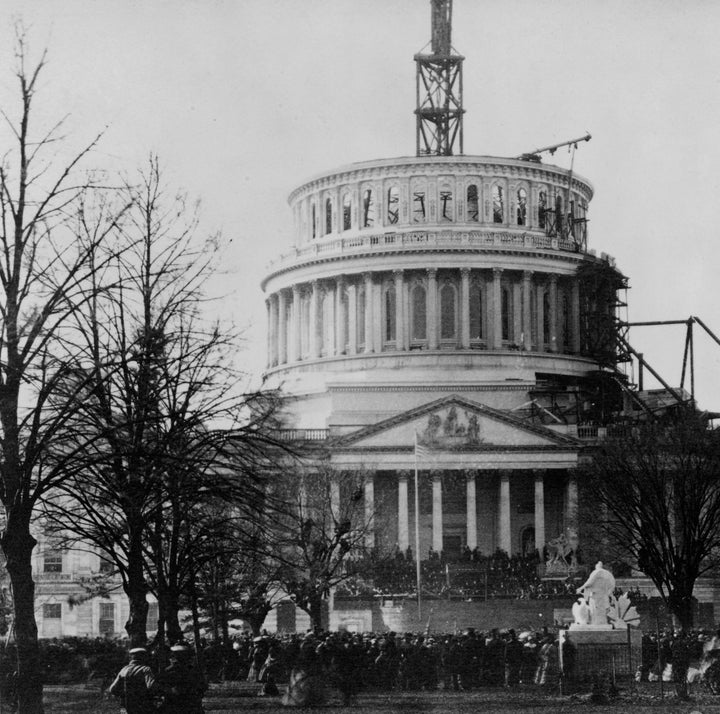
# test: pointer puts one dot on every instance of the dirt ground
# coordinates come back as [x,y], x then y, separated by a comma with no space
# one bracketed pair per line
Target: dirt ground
[232,697]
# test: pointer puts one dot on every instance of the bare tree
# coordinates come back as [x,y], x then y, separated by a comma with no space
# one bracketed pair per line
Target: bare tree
[659,496]
[162,429]
[324,525]
[45,275]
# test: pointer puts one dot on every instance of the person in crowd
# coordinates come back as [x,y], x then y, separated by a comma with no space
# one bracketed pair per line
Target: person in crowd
[135,684]
[306,688]
[182,684]
[513,659]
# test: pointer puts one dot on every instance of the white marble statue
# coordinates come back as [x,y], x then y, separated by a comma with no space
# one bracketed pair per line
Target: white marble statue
[597,591]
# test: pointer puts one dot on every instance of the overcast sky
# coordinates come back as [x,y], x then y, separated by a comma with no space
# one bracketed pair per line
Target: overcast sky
[245,99]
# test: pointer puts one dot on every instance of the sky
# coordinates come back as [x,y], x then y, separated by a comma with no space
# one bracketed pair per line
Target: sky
[243,100]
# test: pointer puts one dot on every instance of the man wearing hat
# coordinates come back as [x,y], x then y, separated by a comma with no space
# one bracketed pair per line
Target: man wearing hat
[135,684]
[182,684]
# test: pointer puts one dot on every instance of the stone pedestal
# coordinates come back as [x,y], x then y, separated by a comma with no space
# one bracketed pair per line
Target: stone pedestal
[600,649]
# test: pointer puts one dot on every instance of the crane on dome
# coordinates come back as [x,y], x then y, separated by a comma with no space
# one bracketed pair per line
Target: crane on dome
[439,111]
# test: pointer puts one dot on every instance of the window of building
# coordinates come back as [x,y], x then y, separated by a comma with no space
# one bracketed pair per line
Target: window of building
[346,212]
[419,215]
[390,325]
[447,207]
[507,313]
[472,203]
[328,216]
[476,312]
[448,312]
[393,205]
[368,209]
[546,319]
[565,321]
[52,611]
[305,326]
[326,321]
[419,313]
[498,204]
[106,566]
[559,214]
[542,208]
[106,624]
[314,220]
[521,207]
[53,561]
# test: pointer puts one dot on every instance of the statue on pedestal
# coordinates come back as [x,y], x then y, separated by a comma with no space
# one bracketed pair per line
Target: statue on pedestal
[597,592]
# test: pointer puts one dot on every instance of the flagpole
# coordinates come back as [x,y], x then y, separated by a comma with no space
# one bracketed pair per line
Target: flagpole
[417,531]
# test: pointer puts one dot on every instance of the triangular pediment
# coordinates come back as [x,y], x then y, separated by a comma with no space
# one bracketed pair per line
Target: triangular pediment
[455,423]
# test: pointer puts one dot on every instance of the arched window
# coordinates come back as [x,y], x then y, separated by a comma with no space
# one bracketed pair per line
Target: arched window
[360,317]
[542,208]
[346,212]
[447,206]
[419,313]
[389,322]
[521,207]
[507,313]
[448,312]
[368,209]
[476,312]
[314,220]
[419,208]
[328,216]
[393,205]
[559,214]
[498,204]
[472,203]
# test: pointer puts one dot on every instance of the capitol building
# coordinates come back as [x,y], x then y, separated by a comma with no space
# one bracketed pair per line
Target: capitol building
[446,313]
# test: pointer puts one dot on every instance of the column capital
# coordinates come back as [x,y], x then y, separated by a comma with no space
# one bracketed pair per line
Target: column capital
[367,276]
[527,275]
[431,272]
[398,273]
[340,280]
[465,272]
[403,475]
[296,289]
[553,278]
[497,272]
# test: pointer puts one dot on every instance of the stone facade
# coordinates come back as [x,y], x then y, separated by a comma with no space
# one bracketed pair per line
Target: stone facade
[436,302]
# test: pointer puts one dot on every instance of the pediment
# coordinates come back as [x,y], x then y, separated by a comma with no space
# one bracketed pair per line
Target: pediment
[454,423]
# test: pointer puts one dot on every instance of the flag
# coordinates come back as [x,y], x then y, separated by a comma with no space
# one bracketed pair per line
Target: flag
[421,451]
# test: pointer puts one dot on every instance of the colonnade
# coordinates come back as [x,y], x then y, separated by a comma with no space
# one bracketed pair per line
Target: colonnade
[504,521]
[427,309]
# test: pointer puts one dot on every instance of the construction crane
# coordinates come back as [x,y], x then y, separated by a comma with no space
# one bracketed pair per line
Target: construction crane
[535,155]
[439,111]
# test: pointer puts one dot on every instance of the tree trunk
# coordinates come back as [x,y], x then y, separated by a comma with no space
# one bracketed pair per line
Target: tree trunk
[315,612]
[680,604]
[136,589]
[172,622]
[18,544]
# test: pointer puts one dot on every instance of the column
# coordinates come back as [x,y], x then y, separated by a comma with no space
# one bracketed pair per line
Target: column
[497,309]
[269,359]
[517,335]
[282,328]
[464,308]
[540,538]
[527,310]
[432,316]
[471,500]
[504,540]
[575,317]
[295,325]
[313,337]
[403,515]
[369,510]
[553,313]
[335,497]
[540,302]
[352,319]
[571,502]
[340,316]
[399,312]
[437,516]
[367,277]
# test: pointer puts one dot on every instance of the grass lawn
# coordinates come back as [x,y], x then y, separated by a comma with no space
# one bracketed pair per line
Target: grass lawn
[234,697]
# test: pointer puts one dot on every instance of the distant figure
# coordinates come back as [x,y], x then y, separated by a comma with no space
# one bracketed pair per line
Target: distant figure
[135,684]
[597,590]
[182,684]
